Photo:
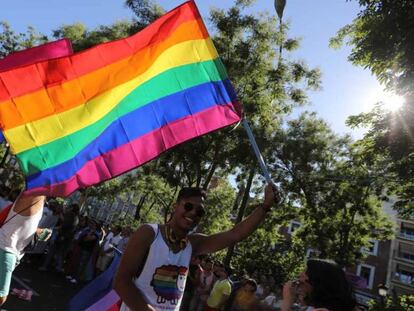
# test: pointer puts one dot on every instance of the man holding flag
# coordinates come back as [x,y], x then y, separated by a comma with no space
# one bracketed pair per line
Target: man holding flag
[111,108]
[154,267]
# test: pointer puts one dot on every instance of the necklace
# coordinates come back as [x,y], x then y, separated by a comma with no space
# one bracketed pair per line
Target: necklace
[172,239]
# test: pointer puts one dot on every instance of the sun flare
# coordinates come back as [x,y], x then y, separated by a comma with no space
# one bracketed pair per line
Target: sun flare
[388,101]
[392,102]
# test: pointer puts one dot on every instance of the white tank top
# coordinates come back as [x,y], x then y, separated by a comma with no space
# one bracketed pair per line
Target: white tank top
[162,280]
[17,232]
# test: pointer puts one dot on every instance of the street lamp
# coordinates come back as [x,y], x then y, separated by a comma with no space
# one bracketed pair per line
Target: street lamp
[382,292]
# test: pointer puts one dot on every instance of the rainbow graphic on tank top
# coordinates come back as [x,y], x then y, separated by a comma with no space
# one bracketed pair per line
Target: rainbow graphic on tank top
[168,282]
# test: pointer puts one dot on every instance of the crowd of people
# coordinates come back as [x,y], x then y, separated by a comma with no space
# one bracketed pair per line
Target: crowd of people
[79,247]
[213,286]
[166,266]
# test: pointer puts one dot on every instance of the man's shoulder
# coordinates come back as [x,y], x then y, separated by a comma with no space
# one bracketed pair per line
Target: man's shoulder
[144,234]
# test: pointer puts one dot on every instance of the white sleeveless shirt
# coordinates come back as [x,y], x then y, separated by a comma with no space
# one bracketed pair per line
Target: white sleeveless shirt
[162,280]
[17,231]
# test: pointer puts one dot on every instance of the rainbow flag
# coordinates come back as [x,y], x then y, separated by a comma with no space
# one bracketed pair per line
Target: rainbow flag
[98,295]
[49,50]
[104,111]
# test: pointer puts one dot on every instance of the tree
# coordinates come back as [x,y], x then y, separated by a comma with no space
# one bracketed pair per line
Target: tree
[381,37]
[11,41]
[267,251]
[146,11]
[401,303]
[82,38]
[330,188]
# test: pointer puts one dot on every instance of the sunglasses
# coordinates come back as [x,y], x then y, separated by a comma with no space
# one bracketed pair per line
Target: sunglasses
[190,206]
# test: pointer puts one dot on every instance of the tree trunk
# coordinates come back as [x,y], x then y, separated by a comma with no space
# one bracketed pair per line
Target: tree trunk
[6,153]
[210,175]
[199,175]
[212,169]
[242,209]
[148,210]
[238,198]
[82,200]
[139,207]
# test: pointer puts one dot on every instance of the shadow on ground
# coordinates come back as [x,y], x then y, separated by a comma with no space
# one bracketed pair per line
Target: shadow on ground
[54,291]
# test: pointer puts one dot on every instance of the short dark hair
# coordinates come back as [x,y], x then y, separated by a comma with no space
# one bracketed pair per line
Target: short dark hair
[330,288]
[227,268]
[188,192]
[75,208]
[252,283]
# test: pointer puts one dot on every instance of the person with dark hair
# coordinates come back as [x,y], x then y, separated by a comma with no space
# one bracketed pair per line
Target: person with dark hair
[221,290]
[154,267]
[107,252]
[245,298]
[87,243]
[193,280]
[65,235]
[205,285]
[322,286]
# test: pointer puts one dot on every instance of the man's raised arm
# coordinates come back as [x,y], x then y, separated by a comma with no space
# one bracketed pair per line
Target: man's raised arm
[203,244]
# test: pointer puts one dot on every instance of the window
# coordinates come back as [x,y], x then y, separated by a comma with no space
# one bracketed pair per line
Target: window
[367,272]
[312,253]
[407,232]
[406,251]
[293,226]
[372,249]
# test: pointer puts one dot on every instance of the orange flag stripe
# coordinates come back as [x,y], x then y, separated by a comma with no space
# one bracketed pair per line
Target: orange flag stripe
[75,92]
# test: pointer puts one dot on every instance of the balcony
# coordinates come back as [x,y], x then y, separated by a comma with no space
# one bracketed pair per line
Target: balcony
[404,278]
[407,235]
[405,257]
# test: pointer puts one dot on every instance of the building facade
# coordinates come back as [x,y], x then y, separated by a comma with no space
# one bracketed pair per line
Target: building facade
[389,263]
[401,266]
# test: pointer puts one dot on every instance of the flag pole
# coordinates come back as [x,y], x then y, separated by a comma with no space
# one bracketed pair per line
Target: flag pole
[256,150]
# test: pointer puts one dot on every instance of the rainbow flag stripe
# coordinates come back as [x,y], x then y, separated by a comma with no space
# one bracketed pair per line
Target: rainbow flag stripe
[118,105]
[50,50]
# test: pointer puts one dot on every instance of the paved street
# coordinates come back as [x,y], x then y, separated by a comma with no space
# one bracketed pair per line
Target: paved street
[51,290]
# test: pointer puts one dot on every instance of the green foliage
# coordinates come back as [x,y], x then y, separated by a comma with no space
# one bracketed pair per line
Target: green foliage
[10,175]
[82,38]
[11,41]
[146,11]
[307,158]
[269,252]
[381,37]
[401,303]
[218,208]
[331,189]
[128,221]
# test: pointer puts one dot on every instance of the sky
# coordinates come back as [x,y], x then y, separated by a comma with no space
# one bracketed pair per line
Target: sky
[346,89]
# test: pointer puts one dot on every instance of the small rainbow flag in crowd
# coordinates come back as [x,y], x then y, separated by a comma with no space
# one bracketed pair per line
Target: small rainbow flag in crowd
[98,295]
[79,120]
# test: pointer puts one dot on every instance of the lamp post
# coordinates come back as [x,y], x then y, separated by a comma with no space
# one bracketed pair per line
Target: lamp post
[382,292]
